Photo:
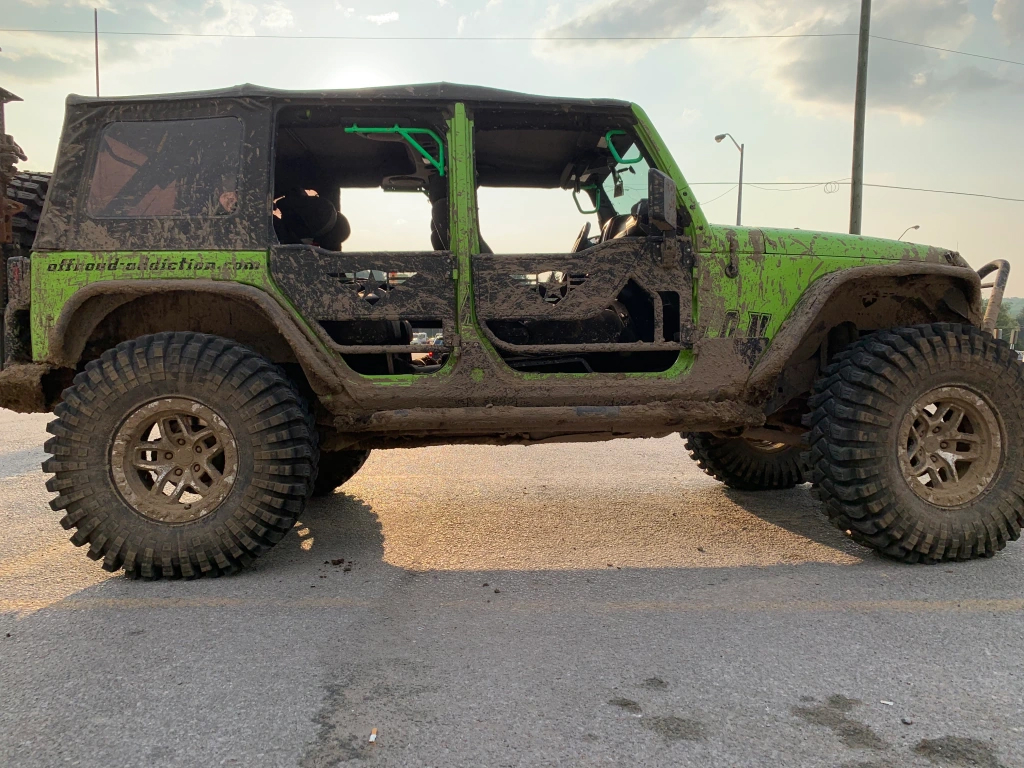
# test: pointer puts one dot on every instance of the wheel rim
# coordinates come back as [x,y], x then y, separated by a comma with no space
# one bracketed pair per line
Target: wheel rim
[951,446]
[174,460]
[767,446]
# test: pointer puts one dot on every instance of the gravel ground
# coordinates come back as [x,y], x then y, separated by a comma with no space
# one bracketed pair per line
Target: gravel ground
[560,605]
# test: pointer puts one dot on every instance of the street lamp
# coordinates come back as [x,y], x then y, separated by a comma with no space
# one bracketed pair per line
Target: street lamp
[916,226]
[739,201]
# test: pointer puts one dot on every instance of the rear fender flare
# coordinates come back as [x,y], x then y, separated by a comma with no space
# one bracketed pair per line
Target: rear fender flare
[87,307]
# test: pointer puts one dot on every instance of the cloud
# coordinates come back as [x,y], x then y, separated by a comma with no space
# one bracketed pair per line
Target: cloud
[383,18]
[43,67]
[277,16]
[43,58]
[635,19]
[345,10]
[902,79]
[1010,16]
[818,72]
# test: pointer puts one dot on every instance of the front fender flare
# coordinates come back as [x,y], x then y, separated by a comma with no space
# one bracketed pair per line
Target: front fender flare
[806,317]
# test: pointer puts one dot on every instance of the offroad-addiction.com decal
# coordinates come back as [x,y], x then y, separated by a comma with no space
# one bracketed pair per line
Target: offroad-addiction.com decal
[150,265]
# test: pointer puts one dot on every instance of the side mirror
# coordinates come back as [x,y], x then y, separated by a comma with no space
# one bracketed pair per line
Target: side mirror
[661,200]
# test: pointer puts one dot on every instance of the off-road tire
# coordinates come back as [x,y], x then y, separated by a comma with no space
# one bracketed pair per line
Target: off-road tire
[30,190]
[337,468]
[744,465]
[858,411]
[271,430]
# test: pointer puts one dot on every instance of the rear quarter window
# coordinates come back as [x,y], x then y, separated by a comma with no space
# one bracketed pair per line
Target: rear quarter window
[167,168]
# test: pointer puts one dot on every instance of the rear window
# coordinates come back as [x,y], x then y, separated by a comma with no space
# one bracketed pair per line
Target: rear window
[180,168]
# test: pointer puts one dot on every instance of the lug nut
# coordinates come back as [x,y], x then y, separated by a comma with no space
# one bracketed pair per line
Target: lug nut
[178,472]
[181,442]
[168,455]
[937,430]
[935,458]
[943,445]
[196,468]
[199,449]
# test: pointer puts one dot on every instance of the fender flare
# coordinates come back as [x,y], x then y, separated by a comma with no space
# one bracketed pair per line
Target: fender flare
[87,307]
[808,310]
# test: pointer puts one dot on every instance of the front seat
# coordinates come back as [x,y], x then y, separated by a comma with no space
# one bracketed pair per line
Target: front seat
[633,224]
[311,220]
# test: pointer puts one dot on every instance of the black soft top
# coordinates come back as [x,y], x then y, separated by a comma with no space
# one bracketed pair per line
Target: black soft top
[67,225]
[424,92]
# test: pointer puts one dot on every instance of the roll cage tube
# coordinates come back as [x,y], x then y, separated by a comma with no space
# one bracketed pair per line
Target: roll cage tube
[615,152]
[576,198]
[407,134]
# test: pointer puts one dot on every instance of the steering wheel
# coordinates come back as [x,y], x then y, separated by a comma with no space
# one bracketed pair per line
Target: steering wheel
[582,240]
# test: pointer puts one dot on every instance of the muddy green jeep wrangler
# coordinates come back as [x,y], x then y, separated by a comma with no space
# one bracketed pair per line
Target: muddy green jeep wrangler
[215,351]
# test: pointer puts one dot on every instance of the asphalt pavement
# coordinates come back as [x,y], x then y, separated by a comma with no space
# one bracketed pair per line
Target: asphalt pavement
[558,605]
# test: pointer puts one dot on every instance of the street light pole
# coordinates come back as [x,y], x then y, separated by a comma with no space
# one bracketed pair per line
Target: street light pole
[859,113]
[739,199]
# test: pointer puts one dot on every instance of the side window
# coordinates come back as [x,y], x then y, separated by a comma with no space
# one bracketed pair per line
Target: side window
[557,190]
[595,302]
[167,168]
[347,182]
[361,213]
[531,220]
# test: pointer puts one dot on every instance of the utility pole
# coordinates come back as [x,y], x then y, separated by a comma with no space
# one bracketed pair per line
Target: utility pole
[860,109]
[96,44]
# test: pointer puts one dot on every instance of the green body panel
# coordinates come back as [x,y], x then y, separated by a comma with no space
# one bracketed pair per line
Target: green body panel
[465,240]
[777,266]
[57,276]
[774,267]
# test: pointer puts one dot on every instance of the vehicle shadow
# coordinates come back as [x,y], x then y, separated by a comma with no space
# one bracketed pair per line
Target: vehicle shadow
[798,511]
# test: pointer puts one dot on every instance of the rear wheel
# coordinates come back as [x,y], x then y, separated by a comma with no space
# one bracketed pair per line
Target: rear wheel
[180,454]
[915,442]
[746,465]
[30,190]
[336,469]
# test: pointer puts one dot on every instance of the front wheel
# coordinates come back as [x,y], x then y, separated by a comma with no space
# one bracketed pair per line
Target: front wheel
[746,465]
[180,454]
[915,442]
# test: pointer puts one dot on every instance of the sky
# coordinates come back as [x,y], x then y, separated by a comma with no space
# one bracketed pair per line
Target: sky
[935,120]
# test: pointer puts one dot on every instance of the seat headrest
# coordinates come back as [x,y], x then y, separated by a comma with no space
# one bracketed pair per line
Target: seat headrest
[313,216]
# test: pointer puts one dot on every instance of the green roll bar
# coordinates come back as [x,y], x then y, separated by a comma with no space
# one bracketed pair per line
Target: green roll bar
[615,152]
[576,199]
[407,134]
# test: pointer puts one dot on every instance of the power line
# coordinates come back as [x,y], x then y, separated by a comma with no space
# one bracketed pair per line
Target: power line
[947,192]
[804,185]
[453,38]
[511,38]
[766,188]
[948,50]
[708,202]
